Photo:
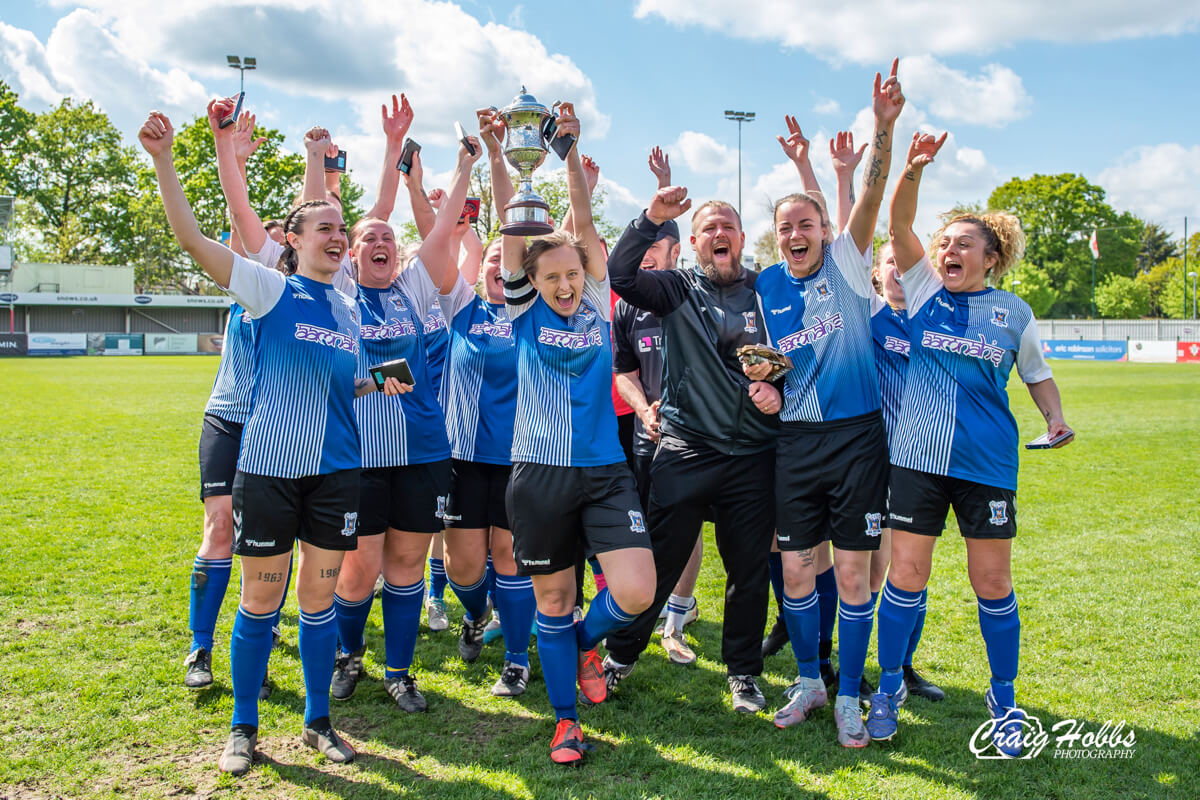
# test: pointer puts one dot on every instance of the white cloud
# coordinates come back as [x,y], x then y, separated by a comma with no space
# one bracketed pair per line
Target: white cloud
[23,65]
[873,31]
[1157,183]
[621,205]
[827,105]
[703,154]
[516,17]
[992,99]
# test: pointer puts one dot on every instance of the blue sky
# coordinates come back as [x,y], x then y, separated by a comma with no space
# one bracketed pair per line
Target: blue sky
[1023,87]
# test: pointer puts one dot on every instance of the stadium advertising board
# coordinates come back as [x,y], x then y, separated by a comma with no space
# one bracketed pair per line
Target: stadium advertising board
[1152,352]
[1187,352]
[123,344]
[57,344]
[85,299]
[1084,349]
[170,343]
[13,344]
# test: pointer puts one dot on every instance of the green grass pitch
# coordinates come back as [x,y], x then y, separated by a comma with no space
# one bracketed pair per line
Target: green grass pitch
[99,521]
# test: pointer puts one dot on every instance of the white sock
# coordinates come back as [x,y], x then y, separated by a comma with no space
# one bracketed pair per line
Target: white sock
[677,609]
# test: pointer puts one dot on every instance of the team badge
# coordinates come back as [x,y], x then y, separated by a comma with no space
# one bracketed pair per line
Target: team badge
[999,317]
[636,523]
[751,322]
[397,302]
[351,518]
[822,290]
[874,524]
[441,509]
[999,512]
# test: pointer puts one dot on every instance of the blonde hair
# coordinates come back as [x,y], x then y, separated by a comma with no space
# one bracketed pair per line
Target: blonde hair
[1002,237]
[552,241]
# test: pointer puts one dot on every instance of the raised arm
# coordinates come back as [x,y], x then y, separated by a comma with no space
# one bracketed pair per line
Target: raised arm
[156,136]
[660,165]
[795,147]
[233,150]
[471,258]
[435,249]
[580,196]
[395,127]
[906,245]
[491,133]
[424,214]
[887,102]
[845,160]
[657,291]
[591,173]
[316,144]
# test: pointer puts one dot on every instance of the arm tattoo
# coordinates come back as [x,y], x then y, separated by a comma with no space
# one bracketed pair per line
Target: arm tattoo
[880,139]
[874,171]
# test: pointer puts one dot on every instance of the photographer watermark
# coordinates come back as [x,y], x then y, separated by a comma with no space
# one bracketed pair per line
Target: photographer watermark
[997,738]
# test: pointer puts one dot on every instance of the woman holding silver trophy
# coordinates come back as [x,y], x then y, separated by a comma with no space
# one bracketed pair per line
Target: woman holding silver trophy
[571,488]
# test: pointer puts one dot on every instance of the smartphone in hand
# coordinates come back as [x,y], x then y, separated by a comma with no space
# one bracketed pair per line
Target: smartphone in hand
[411,148]
[560,144]
[237,109]
[397,369]
[1044,442]
[336,163]
[462,137]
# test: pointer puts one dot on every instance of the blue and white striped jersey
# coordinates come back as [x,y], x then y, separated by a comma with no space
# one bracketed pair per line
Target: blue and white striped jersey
[233,389]
[479,386]
[889,330]
[954,416]
[565,415]
[437,344]
[408,428]
[271,250]
[305,351]
[823,323]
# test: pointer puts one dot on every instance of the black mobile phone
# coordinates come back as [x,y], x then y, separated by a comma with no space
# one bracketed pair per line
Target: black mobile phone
[337,163]
[237,109]
[411,148]
[397,369]
[1044,442]
[471,209]
[560,144]
[462,137]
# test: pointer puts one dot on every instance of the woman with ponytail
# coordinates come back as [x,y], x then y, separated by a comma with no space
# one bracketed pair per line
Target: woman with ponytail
[956,444]
[298,470]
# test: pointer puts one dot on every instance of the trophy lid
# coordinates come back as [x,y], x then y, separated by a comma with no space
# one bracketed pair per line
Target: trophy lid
[525,102]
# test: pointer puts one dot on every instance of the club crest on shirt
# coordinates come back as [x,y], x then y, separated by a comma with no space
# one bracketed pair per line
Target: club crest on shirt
[751,321]
[397,302]
[636,523]
[999,317]
[351,520]
[874,524]
[822,289]
[999,512]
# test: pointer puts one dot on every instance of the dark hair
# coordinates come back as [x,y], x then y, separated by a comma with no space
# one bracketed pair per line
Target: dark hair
[271,225]
[289,260]
[544,244]
[802,197]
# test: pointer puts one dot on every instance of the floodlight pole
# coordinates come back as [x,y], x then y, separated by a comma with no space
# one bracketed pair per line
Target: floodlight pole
[241,65]
[739,117]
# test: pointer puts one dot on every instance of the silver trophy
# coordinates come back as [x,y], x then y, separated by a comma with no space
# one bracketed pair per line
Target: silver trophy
[524,147]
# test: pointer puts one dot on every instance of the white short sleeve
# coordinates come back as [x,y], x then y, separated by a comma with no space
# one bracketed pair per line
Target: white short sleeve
[854,265]
[599,294]
[255,287]
[1031,361]
[417,286]
[460,297]
[269,254]
[519,294]
[920,284]
[344,279]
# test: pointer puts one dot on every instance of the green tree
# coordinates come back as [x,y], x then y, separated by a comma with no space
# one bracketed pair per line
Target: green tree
[1058,214]
[1032,285]
[1156,247]
[766,248]
[15,125]
[1175,295]
[73,181]
[553,190]
[1119,297]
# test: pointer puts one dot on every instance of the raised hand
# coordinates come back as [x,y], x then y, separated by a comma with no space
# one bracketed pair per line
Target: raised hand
[416,174]
[219,109]
[841,151]
[395,125]
[244,143]
[157,134]
[317,141]
[660,165]
[795,146]
[887,99]
[436,198]
[591,173]
[467,158]
[923,148]
[668,203]
[567,123]
[491,128]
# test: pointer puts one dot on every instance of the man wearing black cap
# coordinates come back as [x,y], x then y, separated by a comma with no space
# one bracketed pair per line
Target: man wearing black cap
[717,434]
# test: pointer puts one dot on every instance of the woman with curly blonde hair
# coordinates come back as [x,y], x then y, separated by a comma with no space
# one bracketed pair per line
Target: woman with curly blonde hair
[956,444]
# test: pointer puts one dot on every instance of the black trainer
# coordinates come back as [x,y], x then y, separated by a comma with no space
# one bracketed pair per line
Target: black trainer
[403,689]
[746,696]
[347,669]
[321,736]
[776,639]
[920,687]
[239,750]
[830,676]
[199,669]
[865,690]
[264,691]
[470,644]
